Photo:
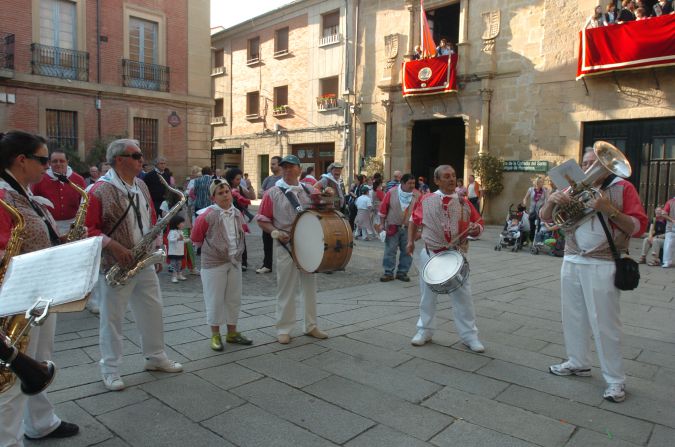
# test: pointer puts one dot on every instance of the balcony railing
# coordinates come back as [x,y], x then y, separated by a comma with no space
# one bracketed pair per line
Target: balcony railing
[143,75]
[326,102]
[216,71]
[6,51]
[330,36]
[279,111]
[218,120]
[253,59]
[60,62]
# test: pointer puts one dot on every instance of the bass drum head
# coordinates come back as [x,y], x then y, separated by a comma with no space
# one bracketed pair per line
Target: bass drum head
[308,242]
[442,267]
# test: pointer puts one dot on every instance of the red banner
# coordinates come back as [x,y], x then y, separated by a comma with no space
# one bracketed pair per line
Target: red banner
[430,76]
[639,44]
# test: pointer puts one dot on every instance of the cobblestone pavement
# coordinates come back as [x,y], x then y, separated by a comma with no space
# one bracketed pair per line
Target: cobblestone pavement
[366,385]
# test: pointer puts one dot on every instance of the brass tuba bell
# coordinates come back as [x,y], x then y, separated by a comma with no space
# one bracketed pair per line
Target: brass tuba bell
[610,160]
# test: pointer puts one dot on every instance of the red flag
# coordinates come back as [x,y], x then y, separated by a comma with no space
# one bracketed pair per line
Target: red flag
[427,39]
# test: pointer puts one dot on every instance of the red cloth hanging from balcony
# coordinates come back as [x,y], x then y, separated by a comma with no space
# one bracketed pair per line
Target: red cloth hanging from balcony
[430,76]
[632,45]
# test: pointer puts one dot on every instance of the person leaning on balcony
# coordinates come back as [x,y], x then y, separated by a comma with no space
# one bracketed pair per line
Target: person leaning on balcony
[641,14]
[610,14]
[444,48]
[417,55]
[663,7]
[596,20]
[627,12]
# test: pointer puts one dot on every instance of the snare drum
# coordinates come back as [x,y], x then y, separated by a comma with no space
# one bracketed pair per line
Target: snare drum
[446,271]
[322,241]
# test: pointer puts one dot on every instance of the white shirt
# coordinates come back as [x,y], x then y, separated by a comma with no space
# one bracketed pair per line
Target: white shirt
[176,245]
[363,202]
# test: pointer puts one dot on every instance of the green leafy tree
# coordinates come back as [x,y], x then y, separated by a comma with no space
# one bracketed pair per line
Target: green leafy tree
[373,165]
[490,169]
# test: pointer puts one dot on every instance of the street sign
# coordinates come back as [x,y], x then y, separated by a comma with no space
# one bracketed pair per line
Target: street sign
[525,166]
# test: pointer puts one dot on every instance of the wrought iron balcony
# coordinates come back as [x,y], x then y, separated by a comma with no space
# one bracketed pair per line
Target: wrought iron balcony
[6,51]
[143,75]
[60,62]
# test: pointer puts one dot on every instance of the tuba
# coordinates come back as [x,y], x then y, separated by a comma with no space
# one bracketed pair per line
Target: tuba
[610,160]
[35,376]
[143,251]
[78,230]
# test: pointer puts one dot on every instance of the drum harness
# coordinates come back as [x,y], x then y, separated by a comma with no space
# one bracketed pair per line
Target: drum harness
[296,206]
[447,233]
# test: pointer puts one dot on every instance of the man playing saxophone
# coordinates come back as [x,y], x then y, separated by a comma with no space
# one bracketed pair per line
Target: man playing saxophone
[121,210]
[23,160]
[590,301]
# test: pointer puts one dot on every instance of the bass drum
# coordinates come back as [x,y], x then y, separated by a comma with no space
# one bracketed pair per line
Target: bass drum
[322,241]
[446,271]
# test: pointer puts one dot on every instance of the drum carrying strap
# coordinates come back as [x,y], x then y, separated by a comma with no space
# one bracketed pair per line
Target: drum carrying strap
[296,206]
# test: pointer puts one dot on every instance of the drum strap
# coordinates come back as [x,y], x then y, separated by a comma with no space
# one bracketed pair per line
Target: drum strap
[291,197]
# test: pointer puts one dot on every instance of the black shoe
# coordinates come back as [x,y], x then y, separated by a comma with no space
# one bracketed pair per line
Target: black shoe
[386,278]
[403,277]
[64,430]
[244,268]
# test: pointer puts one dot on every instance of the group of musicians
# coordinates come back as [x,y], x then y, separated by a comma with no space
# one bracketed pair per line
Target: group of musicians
[121,211]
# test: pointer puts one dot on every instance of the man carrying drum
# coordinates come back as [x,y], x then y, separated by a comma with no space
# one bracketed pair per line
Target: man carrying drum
[446,221]
[333,180]
[278,210]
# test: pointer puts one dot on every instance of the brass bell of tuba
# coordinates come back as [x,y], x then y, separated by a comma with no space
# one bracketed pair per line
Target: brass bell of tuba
[610,160]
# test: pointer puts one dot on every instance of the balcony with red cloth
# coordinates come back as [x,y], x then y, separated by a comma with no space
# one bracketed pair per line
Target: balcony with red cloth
[430,76]
[648,43]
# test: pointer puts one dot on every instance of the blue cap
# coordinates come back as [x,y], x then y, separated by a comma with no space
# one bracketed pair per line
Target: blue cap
[292,159]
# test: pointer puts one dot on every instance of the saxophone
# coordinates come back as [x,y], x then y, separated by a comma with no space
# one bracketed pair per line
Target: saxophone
[143,252]
[78,230]
[35,376]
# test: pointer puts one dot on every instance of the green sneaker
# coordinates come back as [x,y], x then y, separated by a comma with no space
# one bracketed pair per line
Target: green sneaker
[216,343]
[238,339]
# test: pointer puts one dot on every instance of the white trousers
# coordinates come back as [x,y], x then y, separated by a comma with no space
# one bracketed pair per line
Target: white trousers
[462,306]
[222,294]
[590,305]
[33,415]
[145,300]
[290,280]
[669,249]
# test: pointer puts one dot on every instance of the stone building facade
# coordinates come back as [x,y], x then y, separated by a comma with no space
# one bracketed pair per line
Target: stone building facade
[517,99]
[79,71]
[279,82]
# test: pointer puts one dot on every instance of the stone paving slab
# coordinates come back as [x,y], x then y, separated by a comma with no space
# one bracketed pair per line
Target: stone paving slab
[366,385]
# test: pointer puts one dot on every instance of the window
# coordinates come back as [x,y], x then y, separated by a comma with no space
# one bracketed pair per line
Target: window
[58,24]
[252,105]
[280,101]
[143,40]
[329,89]
[253,55]
[371,140]
[146,131]
[281,42]
[330,24]
[62,129]
[218,108]
[218,62]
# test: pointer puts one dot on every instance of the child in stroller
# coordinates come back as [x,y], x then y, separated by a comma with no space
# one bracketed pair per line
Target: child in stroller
[511,236]
[550,238]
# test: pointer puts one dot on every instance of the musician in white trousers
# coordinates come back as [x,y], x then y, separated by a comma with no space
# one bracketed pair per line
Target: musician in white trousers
[23,160]
[669,239]
[590,301]
[121,211]
[445,220]
[276,216]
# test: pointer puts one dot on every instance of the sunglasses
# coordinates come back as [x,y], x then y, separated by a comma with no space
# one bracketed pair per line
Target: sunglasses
[135,155]
[39,159]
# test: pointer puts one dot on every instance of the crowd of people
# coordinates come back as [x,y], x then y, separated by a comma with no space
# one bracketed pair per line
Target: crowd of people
[628,11]
[122,209]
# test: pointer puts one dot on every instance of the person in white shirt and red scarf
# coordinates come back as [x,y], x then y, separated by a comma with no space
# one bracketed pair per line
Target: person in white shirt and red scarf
[446,220]
[590,301]
[121,210]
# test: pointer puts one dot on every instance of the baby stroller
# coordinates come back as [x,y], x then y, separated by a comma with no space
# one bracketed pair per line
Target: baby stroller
[511,236]
[551,240]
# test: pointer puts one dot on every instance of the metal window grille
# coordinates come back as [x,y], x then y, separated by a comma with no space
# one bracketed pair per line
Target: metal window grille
[146,131]
[62,129]
[7,51]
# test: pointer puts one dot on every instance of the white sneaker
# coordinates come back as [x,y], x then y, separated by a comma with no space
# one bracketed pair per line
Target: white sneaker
[113,382]
[421,338]
[181,277]
[475,346]
[565,369]
[263,270]
[615,392]
[174,279]
[168,366]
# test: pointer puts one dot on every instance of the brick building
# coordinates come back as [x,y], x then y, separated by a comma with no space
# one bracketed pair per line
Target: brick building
[279,84]
[77,71]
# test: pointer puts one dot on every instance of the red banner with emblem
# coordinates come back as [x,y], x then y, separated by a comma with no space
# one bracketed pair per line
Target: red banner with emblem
[430,76]
[631,45]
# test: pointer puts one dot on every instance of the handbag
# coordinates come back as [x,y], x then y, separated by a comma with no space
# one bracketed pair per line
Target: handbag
[627,275]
